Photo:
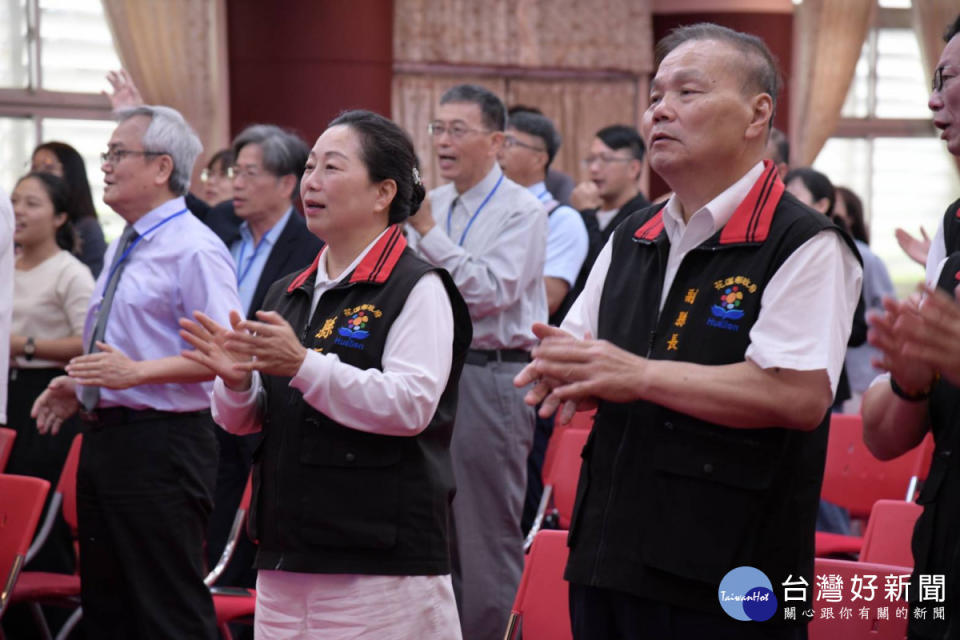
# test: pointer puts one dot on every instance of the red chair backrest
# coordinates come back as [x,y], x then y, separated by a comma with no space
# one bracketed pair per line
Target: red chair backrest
[21,503]
[542,600]
[853,477]
[923,458]
[853,626]
[7,436]
[67,484]
[889,531]
[564,471]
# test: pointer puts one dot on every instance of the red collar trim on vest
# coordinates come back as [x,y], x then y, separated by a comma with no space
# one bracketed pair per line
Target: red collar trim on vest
[378,264]
[300,279]
[751,221]
[375,267]
[651,228]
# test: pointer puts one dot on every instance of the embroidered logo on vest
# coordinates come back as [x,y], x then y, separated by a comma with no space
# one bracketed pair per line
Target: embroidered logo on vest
[356,330]
[727,310]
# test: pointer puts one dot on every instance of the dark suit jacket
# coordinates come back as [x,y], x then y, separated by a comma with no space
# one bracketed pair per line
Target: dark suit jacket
[294,249]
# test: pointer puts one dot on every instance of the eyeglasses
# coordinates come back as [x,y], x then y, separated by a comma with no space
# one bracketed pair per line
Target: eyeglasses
[510,141]
[206,175]
[456,131]
[247,172]
[604,159]
[117,155]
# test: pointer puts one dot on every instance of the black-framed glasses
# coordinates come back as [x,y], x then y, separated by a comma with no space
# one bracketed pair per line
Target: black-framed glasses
[116,155]
[510,141]
[207,174]
[604,159]
[456,130]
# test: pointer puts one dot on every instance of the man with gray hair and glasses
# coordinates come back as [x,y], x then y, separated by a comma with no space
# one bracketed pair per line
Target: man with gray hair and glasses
[271,241]
[148,464]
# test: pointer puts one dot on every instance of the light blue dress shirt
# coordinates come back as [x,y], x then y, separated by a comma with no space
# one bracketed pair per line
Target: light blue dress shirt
[172,271]
[567,239]
[251,259]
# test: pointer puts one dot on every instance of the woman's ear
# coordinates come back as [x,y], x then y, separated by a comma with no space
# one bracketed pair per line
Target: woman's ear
[386,192]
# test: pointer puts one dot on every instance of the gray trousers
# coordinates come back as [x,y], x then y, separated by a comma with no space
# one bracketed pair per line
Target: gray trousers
[491,442]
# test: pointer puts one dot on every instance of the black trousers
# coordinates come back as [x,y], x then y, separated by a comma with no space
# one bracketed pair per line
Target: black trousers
[144,496]
[604,614]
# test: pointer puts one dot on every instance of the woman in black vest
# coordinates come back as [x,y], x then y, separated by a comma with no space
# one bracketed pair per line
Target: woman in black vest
[351,374]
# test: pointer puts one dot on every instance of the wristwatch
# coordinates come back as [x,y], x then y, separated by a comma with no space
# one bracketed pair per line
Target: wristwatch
[29,349]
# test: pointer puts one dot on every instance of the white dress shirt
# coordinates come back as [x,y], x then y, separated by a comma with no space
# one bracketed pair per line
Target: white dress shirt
[806,306]
[499,266]
[398,401]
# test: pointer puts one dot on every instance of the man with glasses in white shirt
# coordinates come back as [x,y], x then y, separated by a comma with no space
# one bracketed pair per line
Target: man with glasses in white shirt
[490,234]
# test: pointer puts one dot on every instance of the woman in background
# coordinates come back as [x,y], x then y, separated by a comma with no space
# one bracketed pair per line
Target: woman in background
[217,178]
[876,285]
[51,291]
[63,161]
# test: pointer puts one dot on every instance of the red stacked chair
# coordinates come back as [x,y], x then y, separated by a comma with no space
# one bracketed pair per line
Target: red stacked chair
[7,436]
[853,478]
[889,532]
[21,503]
[560,476]
[541,608]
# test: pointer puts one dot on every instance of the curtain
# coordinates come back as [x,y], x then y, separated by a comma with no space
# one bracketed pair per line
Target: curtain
[828,37]
[585,65]
[176,52]
[930,20]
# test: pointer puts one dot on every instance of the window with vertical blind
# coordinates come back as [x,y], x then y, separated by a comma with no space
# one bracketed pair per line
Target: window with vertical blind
[54,57]
[886,149]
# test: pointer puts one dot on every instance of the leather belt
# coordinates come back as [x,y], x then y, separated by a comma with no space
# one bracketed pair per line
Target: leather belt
[112,416]
[480,357]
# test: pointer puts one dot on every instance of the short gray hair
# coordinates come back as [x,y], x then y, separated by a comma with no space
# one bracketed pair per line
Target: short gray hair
[284,152]
[169,134]
[759,72]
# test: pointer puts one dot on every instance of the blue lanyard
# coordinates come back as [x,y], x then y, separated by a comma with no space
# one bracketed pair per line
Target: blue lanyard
[463,236]
[137,240]
[256,248]
[541,194]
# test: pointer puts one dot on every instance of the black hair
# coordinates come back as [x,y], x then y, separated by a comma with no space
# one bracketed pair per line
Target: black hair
[857,226]
[952,30]
[621,136]
[817,184]
[539,126]
[58,191]
[521,108]
[75,176]
[387,151]
[760,71]
[224,159]
[494,113]
[781,144]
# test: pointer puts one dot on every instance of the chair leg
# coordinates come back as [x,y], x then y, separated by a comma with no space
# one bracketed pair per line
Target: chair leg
[41,621]
[69,625]
[225,631]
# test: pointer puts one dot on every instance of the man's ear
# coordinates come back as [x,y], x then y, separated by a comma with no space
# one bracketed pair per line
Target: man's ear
[762,113]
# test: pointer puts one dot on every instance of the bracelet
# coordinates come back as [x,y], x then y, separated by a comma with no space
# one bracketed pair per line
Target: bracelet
[920,396]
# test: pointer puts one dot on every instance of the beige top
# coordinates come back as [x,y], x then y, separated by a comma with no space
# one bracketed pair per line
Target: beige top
[49,302]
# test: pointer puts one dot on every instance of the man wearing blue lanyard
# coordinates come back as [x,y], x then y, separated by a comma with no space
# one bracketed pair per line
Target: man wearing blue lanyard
[148,463]
[271,241]
[490,234]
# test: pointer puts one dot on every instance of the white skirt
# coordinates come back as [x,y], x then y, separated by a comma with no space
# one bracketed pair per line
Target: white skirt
[350,607]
